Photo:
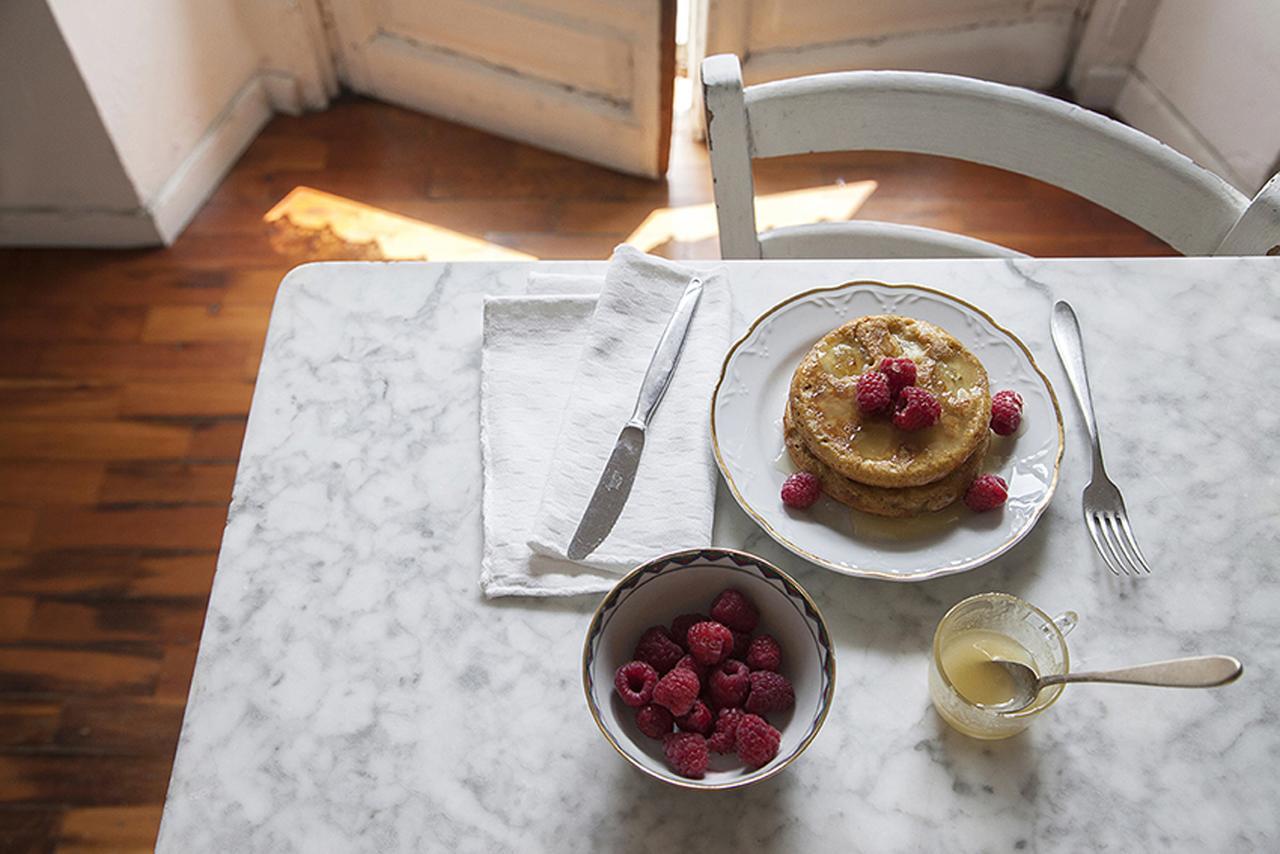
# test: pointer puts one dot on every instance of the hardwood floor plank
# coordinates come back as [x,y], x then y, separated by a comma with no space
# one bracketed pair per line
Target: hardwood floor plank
[191,398]
[177,323]
[166,621]
[189,527]
[45,481]
[26,398]
[15,616]
[217,440]
[121,830]
[18,525]
[201,360]
[168,482]
[28,723]
[72,323]
[28,669]
[136,727]
[83,779]
[92,440]
[90,573]
[27,829]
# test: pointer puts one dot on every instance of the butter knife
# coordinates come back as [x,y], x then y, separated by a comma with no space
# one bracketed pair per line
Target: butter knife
[614,486]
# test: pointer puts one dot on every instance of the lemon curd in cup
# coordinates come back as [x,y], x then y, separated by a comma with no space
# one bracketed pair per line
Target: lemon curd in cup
[967,660]
[962,677]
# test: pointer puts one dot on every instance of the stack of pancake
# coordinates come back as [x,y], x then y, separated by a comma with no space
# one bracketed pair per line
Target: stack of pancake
[863,460]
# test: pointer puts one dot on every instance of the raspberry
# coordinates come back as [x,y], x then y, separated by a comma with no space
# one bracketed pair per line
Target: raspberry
[741,643]
[770,692]
[801,490]
[1006,412]
[635,682]
[689,663]
[657,648]
[710,643]
[676,691]
[730,683]
[653,720]
[986,493]
[687,754]
[916,409]
[764,654]
[756,741]
[733,609]
[680,627]
[900,373]
[699,719]
[874,392]
[722,740]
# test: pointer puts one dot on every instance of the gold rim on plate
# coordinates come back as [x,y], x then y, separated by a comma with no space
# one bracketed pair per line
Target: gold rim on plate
[871,572]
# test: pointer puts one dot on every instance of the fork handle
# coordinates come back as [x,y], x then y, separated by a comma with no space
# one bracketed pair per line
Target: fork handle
[1202,671]
[1070,346]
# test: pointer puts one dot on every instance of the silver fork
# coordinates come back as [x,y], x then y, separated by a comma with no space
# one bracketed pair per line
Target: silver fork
[1104,512]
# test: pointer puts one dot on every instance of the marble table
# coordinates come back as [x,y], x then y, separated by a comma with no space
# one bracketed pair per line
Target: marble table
[354,692]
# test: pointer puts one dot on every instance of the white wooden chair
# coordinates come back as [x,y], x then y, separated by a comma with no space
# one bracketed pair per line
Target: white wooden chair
[1109,163]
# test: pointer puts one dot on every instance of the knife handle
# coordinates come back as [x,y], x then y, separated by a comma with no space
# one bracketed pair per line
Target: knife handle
[665,356]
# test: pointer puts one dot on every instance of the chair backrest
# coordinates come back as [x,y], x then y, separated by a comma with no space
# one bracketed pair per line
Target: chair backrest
[1105,161]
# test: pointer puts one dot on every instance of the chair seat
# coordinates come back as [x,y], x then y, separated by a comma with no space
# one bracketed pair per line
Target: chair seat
[872,239]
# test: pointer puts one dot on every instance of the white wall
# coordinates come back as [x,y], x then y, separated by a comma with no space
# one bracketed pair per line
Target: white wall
[176,84]
[1207,82]
[59,171]
[118,119]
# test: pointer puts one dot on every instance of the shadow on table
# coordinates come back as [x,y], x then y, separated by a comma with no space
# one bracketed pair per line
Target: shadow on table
[661,817]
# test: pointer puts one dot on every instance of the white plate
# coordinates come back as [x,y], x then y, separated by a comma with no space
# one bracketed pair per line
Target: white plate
[746,432]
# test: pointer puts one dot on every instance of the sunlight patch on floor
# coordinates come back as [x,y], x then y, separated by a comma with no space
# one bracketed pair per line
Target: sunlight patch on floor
[366,231]
[689,224]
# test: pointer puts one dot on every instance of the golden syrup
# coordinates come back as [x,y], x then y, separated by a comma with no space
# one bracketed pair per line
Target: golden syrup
[876,440]
[868,526]
[842,360]
[967,661]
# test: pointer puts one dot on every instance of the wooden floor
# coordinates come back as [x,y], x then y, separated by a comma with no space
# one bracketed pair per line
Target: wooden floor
[125,379]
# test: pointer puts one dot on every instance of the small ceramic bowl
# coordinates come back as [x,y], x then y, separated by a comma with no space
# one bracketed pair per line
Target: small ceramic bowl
[686,582]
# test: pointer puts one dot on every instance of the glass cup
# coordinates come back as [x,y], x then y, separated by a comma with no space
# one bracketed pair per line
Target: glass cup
[1044,638]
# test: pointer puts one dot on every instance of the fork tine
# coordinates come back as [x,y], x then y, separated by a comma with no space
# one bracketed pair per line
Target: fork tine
[1115,536]
[1133,542]
[1096,535]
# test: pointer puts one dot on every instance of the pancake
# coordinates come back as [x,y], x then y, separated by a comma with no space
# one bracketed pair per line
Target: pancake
[869,449]
[880,500]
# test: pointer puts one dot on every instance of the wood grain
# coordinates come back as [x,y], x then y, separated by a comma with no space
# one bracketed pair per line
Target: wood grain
[126,377]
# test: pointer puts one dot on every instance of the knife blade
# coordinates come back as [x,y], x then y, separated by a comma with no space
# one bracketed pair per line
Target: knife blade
[614,486]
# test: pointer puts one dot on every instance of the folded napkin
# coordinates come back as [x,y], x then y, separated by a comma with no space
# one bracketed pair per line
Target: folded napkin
[560,374]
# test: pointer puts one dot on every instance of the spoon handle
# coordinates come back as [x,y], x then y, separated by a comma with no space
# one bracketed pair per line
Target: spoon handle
[1201,671]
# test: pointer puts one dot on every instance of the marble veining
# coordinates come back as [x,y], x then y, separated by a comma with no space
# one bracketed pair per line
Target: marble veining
[354,692]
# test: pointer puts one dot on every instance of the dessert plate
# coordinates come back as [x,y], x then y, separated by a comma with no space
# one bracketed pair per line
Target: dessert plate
[746,434]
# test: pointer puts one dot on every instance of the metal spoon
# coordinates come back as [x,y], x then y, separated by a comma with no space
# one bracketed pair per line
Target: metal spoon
[1201,671]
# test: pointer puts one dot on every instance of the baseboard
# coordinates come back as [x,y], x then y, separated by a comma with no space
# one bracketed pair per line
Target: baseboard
[162,218]
[210,159]
[1143,106]
[80,228]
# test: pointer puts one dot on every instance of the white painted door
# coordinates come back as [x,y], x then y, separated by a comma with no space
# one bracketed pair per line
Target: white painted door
[588,78]
[1021,42]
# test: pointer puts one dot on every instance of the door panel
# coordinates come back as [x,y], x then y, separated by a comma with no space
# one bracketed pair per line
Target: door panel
[588,78]
[1023,42]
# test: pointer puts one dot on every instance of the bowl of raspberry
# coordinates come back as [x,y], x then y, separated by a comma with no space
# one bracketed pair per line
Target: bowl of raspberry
[708,668]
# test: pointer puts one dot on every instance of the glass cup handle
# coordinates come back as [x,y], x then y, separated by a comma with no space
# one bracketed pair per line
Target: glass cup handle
[1066,621]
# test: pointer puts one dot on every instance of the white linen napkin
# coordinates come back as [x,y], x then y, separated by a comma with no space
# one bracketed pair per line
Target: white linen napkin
[536,349]
[672,501]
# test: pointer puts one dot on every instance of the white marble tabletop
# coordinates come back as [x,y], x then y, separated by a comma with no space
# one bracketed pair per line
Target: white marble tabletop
[354,692]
